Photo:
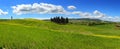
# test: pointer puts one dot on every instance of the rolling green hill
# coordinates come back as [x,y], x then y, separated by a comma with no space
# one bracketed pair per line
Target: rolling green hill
[38,34]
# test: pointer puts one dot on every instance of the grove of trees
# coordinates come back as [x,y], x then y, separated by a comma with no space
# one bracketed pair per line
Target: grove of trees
[60,20]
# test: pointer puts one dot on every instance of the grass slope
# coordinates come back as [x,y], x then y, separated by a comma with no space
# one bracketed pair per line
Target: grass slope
[36,34]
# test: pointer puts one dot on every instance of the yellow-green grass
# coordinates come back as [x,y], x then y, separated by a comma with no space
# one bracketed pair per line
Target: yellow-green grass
[37,34]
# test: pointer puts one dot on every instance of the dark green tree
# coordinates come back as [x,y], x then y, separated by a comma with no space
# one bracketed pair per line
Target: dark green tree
[60,20]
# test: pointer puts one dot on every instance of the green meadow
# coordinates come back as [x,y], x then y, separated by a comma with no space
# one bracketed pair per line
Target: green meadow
[39,34]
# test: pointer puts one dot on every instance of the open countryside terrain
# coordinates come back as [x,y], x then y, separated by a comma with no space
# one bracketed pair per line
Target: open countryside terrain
[39,34]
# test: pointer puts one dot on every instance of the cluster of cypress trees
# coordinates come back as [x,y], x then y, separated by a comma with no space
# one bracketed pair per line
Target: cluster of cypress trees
[60,20]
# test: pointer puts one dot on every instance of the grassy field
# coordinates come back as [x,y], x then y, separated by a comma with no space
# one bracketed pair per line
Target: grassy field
[38,34]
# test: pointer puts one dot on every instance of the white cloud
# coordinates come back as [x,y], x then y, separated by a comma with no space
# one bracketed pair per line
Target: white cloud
[95,14]
[3,12]
[98,14]
[45,8]
[42,8]
[77,12]
[111,18]
[71,7]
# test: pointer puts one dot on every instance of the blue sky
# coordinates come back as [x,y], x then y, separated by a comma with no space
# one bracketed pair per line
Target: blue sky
[109,8]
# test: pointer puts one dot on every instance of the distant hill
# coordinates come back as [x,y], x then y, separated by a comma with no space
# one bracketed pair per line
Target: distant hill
[87,19]
[84,19]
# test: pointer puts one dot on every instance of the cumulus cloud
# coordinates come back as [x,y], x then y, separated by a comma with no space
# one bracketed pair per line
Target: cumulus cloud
[71,7]
[45,8]
[3,12]
[112,18]
[42,8]
[95,14]
[98,14]
[77,12]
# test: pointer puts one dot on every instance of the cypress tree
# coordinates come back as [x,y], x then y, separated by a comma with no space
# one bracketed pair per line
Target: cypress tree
[67,20]
[60,20]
